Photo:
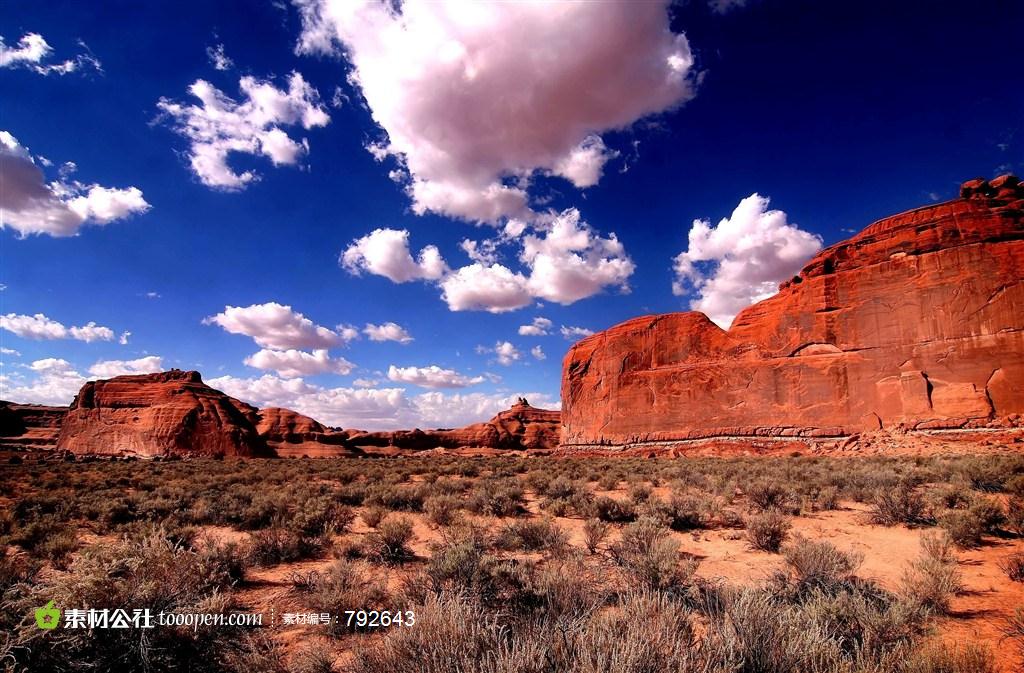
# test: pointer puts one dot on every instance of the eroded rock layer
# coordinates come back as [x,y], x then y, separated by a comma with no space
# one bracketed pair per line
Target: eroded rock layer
[915,322]
[29,426]
[521,427]
[160,414]
[292,434]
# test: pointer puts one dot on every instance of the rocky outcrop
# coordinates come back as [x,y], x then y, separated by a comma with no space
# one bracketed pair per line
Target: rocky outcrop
[29,426]
[160,414]
[916,322]
[290,433]
[519,428]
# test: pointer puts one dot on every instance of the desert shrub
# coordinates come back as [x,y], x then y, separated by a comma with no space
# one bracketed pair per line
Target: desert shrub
[532,535]
[639,492]
[989,514]
[1015,485]
[827,499]
[819,565]
[767,531]
[396,498]
[344,586]
[594,533]
[372,516]
[272,546]
[497,498]
[933,578]
[1015,515]
[984,474]
[765,495]
[1013,566]
[608,482]
[685,513]
[145,574]
[390,542]
[901,504]
[964,528]
[442,510]
[1014,629]
[938,657]
[311,659]
[321,516]
[650,556]
[57,548]
[955,496]
[614,510]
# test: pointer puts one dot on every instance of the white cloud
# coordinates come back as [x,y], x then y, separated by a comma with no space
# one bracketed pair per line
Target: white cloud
[572,262]
[123,339]
[293,363]
[220,125]
[55,382]
[470,102]
[385,252]
[30,205]
[106,369]
[366,383]
[538,353]
[9,351]
[33,49]
[505,352]
[492,288]
[92,332]
[432,377]
[574,333]
[742,260]
[273,325]
[539,327]
[388,331]
[374,408]
[565,260]
[39,327]
[153,295]
[218,59]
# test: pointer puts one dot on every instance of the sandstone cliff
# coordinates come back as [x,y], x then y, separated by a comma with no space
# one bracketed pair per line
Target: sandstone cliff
[29,426]
[160,414]
[916,322]
[521,427]
[290,433]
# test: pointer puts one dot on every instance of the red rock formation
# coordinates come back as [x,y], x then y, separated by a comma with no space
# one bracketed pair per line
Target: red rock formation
[290,433]
[518,428]
[159,414]
[29,426]
[915,322]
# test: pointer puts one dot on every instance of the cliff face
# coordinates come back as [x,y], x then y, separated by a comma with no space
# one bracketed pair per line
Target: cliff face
[917,321]
[518,428]
[29,426]
[166,413]
[290,433]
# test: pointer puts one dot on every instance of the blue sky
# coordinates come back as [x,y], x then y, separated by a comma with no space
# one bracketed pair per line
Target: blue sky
[574,145]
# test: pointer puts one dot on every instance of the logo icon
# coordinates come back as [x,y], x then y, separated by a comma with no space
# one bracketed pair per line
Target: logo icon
[47,617]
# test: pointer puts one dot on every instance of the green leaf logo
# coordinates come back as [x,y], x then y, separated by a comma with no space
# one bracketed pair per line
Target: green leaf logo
[47,617]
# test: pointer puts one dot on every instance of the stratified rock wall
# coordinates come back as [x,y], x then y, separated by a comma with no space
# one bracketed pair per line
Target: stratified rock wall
[159,414]
[916,322]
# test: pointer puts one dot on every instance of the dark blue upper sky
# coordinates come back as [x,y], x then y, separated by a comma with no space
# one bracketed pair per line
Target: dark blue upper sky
[840,113]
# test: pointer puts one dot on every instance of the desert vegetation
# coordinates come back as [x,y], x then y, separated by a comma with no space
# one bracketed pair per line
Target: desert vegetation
[522,564]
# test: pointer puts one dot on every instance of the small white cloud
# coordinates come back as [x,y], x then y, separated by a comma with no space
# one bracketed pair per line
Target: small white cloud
[506,353]
[9,351]
[123,339]
[106,369]
[538,353]
[366,383]
[54,381]
[347,332]
[218,59]
[275,326]
[220,126]
[432,377]
[32,50]
[385,252]
[539,327]
[494,288]
[31,205]
[742,260]
[388,331]
[293,363]
[575,333]
[39,327]
[153,295]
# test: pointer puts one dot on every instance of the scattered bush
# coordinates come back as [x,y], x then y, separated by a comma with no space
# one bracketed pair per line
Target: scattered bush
[442,510]
[902,504]
[372,516]
[933,578]
[819,565]
[532,535]
[648,553]
[941,658]
[390,543]
[964,528]
[594,533]
[1013,566]
[767,531]
[613,510]
[765,495]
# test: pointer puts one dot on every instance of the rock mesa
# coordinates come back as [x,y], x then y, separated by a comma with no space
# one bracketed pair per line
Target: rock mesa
[160,414]
[917,322]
